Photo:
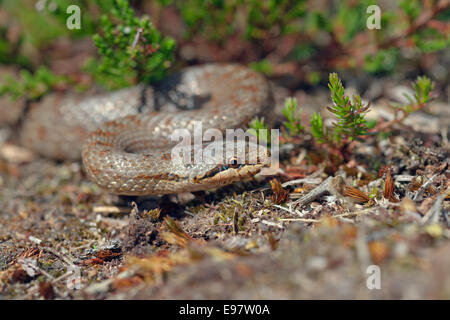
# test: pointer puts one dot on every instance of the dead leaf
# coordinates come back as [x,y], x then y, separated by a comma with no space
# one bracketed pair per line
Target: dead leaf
[279,195]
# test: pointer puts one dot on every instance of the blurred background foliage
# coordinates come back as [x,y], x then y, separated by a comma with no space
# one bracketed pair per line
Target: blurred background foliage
[298,42]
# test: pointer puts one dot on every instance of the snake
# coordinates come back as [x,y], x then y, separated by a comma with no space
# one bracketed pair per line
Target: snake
[123,136]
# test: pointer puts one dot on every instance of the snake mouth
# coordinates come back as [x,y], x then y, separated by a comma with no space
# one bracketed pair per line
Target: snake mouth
[210,174]
[239,160]
[225,174]
[219,176]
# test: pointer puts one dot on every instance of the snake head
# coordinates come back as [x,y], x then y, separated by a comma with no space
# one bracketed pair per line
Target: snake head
[238,160]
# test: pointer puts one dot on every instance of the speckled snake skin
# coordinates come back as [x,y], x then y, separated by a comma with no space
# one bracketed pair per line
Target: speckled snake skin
[126,147]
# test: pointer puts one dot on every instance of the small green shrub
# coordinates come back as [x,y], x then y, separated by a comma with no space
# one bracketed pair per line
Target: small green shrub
[349,113]
[31,85]
[131,49]
[350,124]
[292,116]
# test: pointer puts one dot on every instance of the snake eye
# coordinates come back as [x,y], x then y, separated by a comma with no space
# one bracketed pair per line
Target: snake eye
[233,162]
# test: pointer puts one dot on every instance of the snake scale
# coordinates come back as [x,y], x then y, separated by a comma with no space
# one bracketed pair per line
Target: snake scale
[123,136]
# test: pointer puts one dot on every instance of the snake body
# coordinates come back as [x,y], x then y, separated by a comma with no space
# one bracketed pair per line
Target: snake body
[126,147]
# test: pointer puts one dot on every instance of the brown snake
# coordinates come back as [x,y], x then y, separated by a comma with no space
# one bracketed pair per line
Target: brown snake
[126,147]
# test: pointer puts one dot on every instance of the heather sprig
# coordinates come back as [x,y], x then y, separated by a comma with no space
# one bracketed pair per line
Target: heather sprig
[423,88]
[317,128]
[291,112]
[31,85]
[349,113]
[131,49]
[256,127]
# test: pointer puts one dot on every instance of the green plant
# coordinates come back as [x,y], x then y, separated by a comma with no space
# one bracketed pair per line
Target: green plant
[253,19]
[131,49]
[263,66]
[266,15]
[317,129]
[423,87]
[350,124]
[31,85]
[349,113]
[57,10]
[9,50]
[291,113]
[256,125]
[330,33]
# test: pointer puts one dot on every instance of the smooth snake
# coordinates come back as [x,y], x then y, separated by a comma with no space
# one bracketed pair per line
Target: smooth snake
[123,136]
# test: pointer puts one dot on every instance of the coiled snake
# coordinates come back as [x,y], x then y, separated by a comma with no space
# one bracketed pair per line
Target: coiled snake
[126,147]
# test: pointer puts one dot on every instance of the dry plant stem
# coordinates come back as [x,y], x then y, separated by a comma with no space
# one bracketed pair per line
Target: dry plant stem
[298,181]
[419,193]
[333,185]
[432,216]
